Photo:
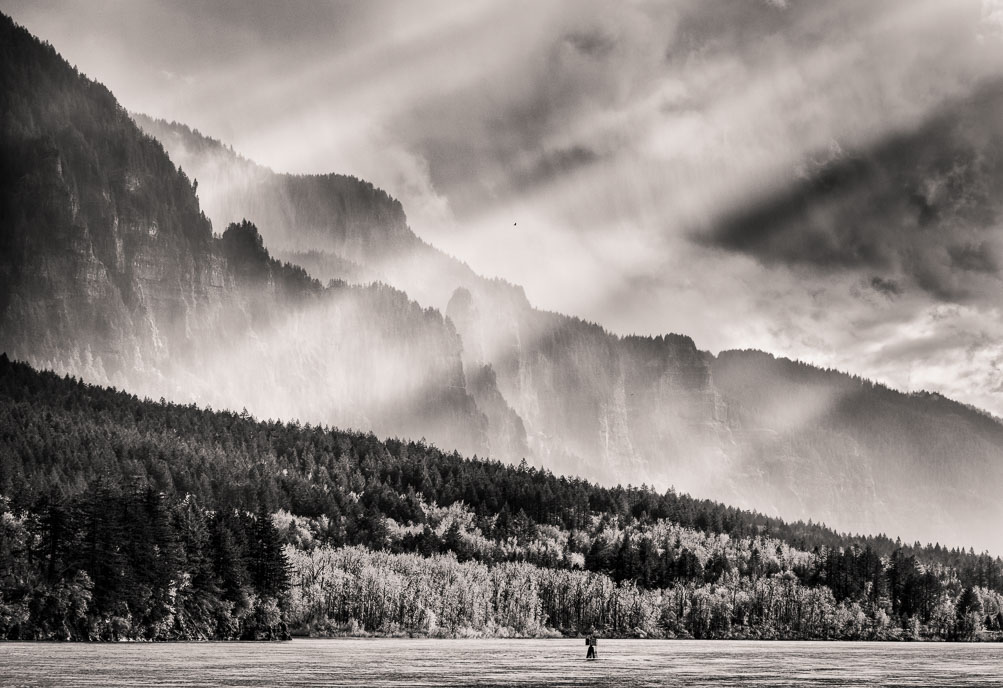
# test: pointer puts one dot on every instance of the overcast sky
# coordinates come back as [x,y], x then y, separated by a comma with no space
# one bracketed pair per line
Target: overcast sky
[816,179]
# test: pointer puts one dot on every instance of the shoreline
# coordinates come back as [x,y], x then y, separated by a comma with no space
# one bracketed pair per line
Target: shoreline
[500,639]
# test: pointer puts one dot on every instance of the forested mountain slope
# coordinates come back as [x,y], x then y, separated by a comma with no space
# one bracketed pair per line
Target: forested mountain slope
[109,269]
[128,518]
[562,392]
[835,439]
[339,227]
[575,398]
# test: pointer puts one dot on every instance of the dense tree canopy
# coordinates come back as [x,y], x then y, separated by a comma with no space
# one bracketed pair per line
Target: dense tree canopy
[137,518]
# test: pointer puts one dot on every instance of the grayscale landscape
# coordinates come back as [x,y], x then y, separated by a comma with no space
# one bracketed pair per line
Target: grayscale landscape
[399,342]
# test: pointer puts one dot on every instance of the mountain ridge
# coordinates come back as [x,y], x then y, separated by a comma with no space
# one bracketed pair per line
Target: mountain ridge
[111,270]
[766,453]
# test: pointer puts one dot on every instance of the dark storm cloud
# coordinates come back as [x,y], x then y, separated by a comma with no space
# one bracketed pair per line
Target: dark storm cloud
[981,257]
[889,288]
[923,204]
[594,43]
[811,222]
[549,166]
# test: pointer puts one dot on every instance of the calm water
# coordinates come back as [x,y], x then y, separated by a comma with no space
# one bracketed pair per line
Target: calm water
[500,663]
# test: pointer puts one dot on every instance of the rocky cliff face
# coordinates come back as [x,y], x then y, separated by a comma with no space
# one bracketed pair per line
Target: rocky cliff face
[343,228]
[629,409]
[100,234]
[738,428]
[337,226]
[109,270]
[559,391]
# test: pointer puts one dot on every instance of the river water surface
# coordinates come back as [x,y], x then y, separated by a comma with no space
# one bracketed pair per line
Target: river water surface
[404,662]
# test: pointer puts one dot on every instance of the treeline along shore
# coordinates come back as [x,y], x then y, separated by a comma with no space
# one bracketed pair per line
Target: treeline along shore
[127,518]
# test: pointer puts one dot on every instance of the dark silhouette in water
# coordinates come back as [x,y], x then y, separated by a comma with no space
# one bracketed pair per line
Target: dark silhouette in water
[592,642]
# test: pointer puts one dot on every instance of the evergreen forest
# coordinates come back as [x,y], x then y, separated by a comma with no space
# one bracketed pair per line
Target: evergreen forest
[129,518]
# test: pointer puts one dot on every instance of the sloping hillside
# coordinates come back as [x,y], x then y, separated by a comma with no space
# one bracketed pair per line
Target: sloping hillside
[577,399]
[125,518]
[110,270]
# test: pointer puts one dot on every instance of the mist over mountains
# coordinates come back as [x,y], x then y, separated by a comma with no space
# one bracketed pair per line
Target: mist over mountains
[743,427]
[110,270]
[308,297]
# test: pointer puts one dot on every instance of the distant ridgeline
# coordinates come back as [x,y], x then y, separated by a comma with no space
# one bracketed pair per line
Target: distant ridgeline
[744,428]
[130,518]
